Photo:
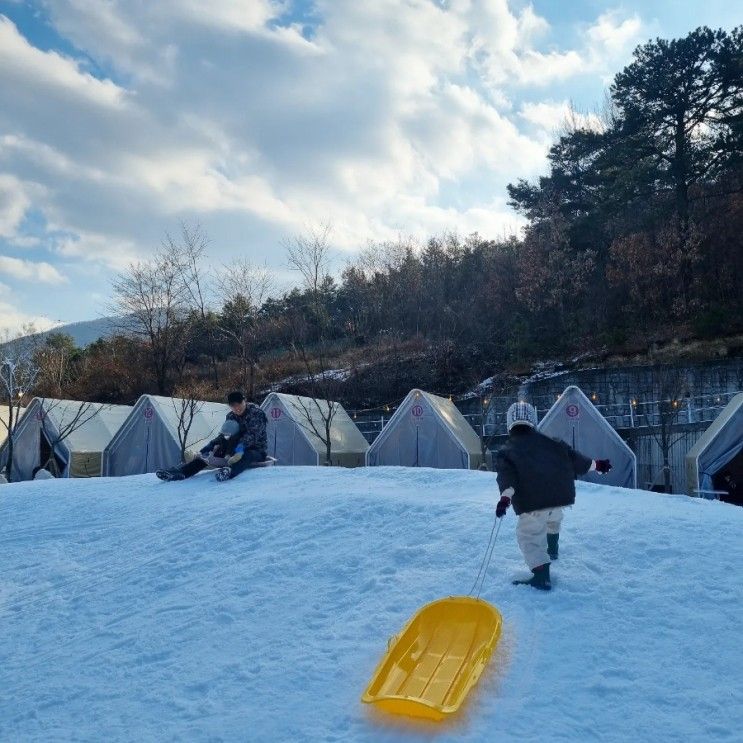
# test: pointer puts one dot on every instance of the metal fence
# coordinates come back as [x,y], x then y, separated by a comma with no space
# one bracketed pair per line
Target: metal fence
[629,413]
[649,454]
[635,420]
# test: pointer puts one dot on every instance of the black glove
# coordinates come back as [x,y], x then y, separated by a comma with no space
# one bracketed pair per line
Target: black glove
[603,466]
[502,507]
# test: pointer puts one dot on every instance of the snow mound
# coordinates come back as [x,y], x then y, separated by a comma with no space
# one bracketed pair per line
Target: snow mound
[257,609]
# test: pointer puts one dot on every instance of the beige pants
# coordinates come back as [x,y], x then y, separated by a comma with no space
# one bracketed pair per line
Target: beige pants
[532,531]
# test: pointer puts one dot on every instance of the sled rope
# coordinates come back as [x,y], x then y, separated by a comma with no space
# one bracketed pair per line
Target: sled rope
[485,564]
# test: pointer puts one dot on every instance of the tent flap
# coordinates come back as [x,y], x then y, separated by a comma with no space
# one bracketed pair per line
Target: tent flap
[719,444]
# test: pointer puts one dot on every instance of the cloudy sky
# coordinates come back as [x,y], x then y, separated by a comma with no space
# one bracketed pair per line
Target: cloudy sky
[260,118]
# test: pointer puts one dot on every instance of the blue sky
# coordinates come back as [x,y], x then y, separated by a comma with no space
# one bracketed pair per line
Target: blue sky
[259,119]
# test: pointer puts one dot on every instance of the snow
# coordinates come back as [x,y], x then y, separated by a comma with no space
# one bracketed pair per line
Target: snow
[257,609]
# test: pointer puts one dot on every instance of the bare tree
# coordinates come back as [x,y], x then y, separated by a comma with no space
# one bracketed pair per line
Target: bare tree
[152,301]
[322,386]
[187,404]
[191,251]
[669,386]
[243,288]
[59,365]
[71,418]
[19,374]
[309,254]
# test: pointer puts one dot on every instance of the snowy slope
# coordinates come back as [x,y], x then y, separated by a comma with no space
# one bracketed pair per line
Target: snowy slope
[256,610]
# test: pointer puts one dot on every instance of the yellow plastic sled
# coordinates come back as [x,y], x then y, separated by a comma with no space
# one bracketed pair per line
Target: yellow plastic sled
[437,658]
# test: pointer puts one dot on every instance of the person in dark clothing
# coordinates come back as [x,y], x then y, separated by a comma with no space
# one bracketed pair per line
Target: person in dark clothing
[537,475]
[216,453]
[253,437]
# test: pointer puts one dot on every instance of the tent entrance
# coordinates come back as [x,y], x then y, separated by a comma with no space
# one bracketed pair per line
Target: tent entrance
[729,479]
[48,458]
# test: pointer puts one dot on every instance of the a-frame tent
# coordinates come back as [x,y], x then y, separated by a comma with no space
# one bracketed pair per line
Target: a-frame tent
[718,452]
[68,436]
[575,420]
[149,438]
[426,431]
[296,431]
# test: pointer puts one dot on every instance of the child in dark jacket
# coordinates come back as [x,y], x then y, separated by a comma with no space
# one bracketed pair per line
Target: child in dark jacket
[537,475]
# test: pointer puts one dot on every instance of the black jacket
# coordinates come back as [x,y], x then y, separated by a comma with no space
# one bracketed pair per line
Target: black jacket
[540,470]
[252,427]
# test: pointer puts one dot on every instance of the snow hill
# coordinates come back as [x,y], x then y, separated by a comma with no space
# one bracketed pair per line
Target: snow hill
[257,609]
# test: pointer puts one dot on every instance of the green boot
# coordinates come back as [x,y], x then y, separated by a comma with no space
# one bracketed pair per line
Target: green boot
[540,579]
[552,540]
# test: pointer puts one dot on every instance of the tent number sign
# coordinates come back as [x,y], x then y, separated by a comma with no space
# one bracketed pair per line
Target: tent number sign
[148,413]
[276,413]
[572,411]
[417,411]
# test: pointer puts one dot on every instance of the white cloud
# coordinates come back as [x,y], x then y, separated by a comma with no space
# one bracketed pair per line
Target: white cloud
[14,203]
[23,64]
[613,35]
[12,321]
[240,15]
[214,114]
[23,270]
[552,116]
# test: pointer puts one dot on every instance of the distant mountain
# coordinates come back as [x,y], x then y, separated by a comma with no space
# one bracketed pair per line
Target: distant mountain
[84,333]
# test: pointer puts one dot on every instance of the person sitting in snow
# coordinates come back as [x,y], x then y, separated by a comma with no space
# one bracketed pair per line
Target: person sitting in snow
[236,447]
[216,453]
[537,474]
[253,436]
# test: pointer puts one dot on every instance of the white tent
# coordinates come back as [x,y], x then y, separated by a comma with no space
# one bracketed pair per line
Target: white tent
[67,435]
[293,426]
[149,438]
[719,450]
[4,416]
[426,431]
[575,420]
